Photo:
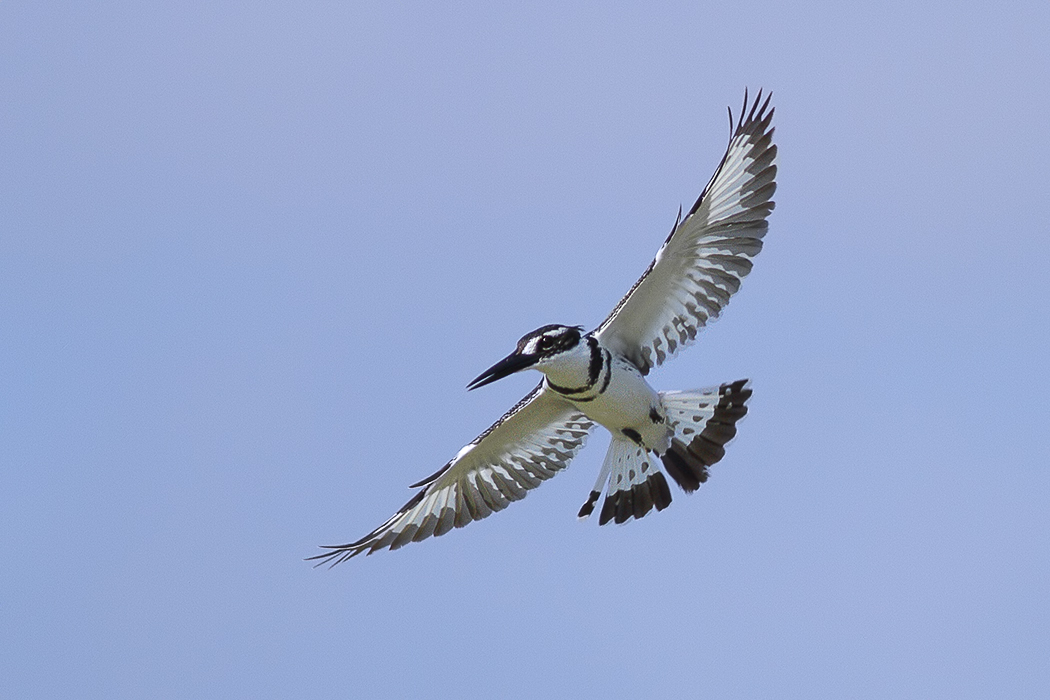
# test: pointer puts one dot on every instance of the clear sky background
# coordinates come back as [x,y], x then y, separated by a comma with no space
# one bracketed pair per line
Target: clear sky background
[252,253]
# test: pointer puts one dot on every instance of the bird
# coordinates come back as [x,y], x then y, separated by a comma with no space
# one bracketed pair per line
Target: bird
[599,377]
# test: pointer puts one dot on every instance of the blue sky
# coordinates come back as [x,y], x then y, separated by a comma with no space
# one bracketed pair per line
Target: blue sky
[251,254]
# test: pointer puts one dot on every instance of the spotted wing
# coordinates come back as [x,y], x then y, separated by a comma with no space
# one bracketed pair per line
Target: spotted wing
[707,254]
[531,443]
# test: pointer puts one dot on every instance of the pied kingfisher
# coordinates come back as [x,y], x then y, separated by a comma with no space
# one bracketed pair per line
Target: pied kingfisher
[599,377]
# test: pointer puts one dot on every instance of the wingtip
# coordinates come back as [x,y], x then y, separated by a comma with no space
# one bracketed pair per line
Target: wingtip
[757,110]
[338,555]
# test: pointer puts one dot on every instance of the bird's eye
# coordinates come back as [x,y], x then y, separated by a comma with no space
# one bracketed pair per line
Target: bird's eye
[545,343]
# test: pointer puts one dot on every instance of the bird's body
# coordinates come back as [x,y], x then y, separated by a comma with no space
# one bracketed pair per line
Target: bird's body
[600,377]
[628,405]
[607,388]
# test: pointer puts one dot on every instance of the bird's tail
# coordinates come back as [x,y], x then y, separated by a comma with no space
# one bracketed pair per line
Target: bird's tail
[703,420]
[636,484]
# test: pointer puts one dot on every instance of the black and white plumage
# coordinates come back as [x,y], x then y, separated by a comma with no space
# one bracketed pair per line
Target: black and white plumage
[599,377]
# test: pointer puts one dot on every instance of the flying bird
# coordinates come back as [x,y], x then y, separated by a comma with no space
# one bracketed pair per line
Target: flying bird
[599,377]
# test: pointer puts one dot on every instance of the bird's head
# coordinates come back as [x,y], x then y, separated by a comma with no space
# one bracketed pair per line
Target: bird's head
[535,350]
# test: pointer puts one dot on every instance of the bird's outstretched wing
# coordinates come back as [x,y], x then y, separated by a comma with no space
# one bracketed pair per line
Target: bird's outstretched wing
[708,253]
[531,443]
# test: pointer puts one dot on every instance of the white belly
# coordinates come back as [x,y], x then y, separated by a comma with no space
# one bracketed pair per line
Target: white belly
[629,404]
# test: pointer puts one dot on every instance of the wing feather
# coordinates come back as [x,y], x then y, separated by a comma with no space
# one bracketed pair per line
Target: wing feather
[531,443]
[707,254]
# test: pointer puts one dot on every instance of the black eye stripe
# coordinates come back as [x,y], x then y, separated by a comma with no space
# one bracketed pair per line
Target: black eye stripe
[550,338]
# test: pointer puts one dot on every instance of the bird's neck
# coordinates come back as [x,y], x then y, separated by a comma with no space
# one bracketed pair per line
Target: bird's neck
[578,370]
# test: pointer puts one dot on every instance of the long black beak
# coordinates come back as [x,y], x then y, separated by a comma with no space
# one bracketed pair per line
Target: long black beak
[504,368]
